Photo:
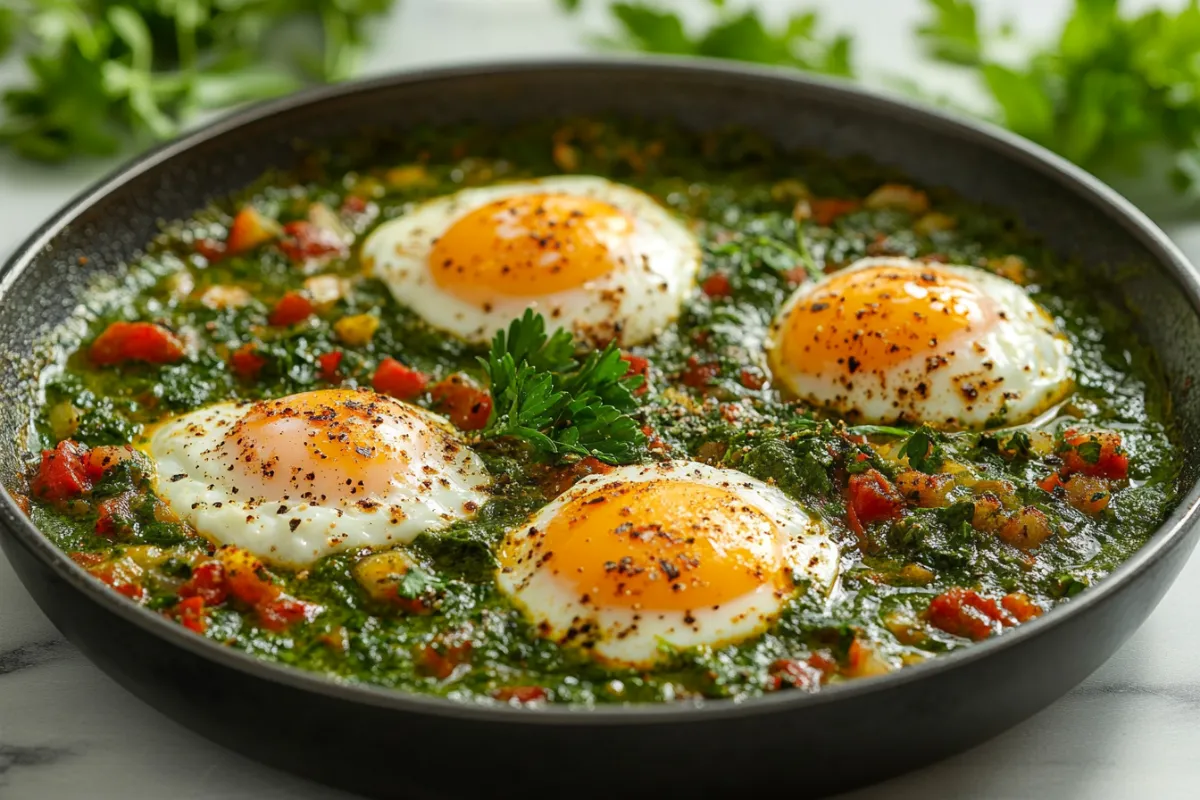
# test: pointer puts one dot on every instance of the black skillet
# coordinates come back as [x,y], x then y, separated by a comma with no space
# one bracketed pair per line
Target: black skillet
[390,744]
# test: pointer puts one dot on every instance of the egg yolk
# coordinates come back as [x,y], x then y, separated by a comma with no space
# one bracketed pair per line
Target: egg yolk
[875,318]
[660,545]
[327,446]
[528,245]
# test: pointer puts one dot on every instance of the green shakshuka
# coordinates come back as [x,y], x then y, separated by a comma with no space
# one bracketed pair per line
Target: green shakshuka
[590,412]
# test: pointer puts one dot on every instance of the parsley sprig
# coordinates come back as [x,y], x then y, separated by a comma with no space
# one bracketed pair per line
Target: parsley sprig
[543,395]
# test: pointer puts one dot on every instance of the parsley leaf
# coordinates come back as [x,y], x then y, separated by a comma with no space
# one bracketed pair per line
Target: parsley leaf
[558,405]
[417,583]
[923,451]
[1020,445]
[1089,451]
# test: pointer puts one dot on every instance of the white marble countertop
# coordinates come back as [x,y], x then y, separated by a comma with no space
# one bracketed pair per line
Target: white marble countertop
[67,730]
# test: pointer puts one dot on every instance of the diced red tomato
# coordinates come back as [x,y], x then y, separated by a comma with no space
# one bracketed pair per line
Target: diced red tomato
[207,582]
[87,560]
[520,694]
[440,659]
[62,474]
[638,366]
[282,613]
[793,673]
[124,578]
[249,230]
[752,378]
[395,379]
[826,210]
[292,308]
[698,375]
[717,286]
[211,249]
[100,460]
[114,516]
[246,363]
[329,363]
[963,612]
[122,342]
[243,576]
[1096,453]
[873,497]
[303,240]
[190,611]
[1020,606]
[467,405]
[354,204]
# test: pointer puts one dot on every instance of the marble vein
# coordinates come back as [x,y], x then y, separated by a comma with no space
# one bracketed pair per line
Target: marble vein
[32,655]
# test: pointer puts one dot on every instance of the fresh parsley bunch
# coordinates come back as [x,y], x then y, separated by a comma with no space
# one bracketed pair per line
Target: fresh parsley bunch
[541,394]
[1107,90]
[742,35]
[103,72]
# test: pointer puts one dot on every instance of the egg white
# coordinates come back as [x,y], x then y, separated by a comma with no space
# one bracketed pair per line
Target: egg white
[201,490]
[625,637]
[656,267]
[1006,373]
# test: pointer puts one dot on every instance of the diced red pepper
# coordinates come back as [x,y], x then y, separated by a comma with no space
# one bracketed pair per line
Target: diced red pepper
[122,342]
[122,580]
[439,660]
[329,363]
[114,516]
[873,497]
[520,694]
[963,612]
[249,230]
[638,366]
[190,611]
[87,560]
[826,210]
[303,240]
[467,405]
[246,363]
[1101,455]
[292,308]
[282,613]
[698,375]
[62,474]
[395,379]
[207,582]
[1020,606]
[717,285]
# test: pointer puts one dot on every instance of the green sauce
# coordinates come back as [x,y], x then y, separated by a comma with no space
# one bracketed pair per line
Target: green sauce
[744,193]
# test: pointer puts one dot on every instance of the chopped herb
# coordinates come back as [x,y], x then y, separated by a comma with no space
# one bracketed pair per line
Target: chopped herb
[923,451]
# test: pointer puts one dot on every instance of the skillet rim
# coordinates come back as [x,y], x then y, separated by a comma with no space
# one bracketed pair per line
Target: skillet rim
[1083,186]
